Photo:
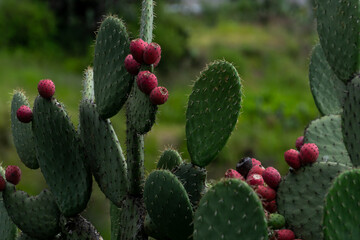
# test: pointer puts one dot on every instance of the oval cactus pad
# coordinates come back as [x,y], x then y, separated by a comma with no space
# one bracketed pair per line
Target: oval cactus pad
[212,111]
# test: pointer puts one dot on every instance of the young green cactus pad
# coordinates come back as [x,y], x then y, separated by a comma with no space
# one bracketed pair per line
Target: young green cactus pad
[328,91]
[111,80]
[230,210]
[338,25]
[341,211]
[78,228]
[60,156]
[168,205]
[169,159]
[22,133]
[193,179]
[127,221]
[104,153]
[350,120]
[7,227]
[36,216]
[326,133]
[212,111]
[301,194]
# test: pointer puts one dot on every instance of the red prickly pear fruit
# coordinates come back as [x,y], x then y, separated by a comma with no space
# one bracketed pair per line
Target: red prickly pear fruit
[255,162]
[266,193]
[292,157]
[257,169]
[272,177]
[137,48]
[147,81]
[140,78]
[309,153]
[284,234]
[231,173]
[46,88]
[2,184]
[255,180]
[159,95]
[24,114]
[152,53]
[299,142]
[13,174]
[131,65]
[270,206]
[157,62]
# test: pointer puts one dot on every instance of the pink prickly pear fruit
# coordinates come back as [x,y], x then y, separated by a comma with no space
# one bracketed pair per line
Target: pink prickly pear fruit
[231,173]
[255,162]
[284,234]
[157,62]
[292,157]
[309,153]
[255,180]
[257,169]
[2,184]
[13,174]
[152,53]
[272,177]
[131,65]
[24,114]
[159,95]
[299,142]
[137,48]
[147,81]
[270,206]
[46,88]
[266,193]
[140,78]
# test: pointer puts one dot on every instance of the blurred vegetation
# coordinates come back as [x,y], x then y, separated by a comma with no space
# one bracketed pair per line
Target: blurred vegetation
[268,42]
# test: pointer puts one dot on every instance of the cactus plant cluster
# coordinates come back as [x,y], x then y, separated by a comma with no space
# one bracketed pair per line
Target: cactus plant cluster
[317,199]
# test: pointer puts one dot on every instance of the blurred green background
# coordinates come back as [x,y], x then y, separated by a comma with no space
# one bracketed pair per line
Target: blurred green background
[268,41]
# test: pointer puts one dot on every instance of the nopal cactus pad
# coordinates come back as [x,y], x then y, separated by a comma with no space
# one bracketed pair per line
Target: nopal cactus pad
[328,91]
[350,121]
[326,133]
[341,211]
[61,157]
[338,24]
[301,194]
[22,133]
[112,82]
[168,205]
[169,159]
[7,227]
[230,210]
[37,216]
[104,153]
[212,111]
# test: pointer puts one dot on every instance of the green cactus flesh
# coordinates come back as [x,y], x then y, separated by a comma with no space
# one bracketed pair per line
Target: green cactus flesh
[326,133]
[7,227]
[78,228]
[338,25]
[168,205]
[328,91]
[169,159]
[230,210]
[104,153]
[212,111]
[127,221]
[88,85]
[22,133]
[350,121]
[61,156]
[152,230]
[147,19]
[301,194]
[341,211]
[193,179]
[112,83]
[37,216]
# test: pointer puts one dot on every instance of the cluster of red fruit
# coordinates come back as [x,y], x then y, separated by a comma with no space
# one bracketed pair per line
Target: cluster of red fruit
[305,154]
[46,89]
[146,53]
[12,175]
